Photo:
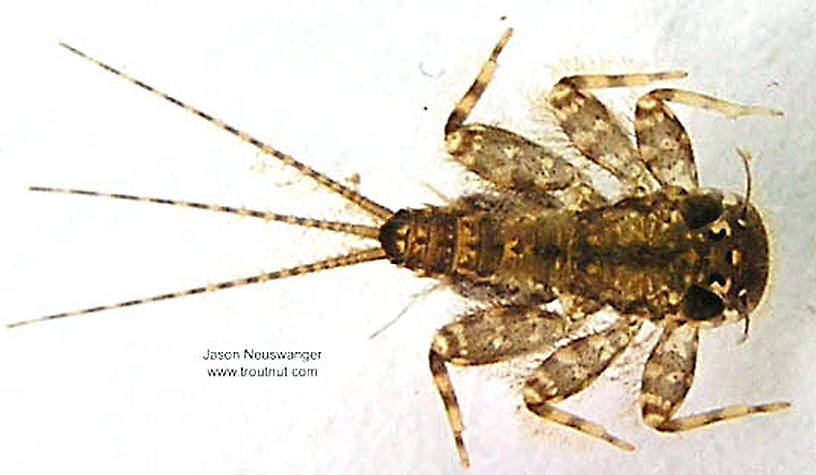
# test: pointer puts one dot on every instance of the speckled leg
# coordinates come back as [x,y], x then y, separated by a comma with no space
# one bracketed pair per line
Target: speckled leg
[508,160]
[485,337]
[596,132]
[571,369]
[667,377]
[662,141]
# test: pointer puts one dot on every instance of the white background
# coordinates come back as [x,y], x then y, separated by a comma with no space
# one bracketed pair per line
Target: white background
[352,88]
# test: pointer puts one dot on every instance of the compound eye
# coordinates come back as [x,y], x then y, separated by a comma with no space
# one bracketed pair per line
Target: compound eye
[702,304]
[701,210]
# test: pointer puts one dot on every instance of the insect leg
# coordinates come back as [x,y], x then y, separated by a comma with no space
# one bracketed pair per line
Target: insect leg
[471,97]
[664,144]
[508,160]
[667,377]
[695,99]
[571,369]
[596,132]
[485,337]
[511,162]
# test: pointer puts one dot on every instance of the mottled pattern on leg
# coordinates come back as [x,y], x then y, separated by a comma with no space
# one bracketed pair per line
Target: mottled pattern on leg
[667,378]
[499,333]
[508,160]
[484,337]
[511,162]
[668,373]
[571,369]
[576,365]
[597,134]
[664,144]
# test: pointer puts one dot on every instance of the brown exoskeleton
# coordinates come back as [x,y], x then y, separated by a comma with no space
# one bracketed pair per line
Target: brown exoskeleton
[669,252]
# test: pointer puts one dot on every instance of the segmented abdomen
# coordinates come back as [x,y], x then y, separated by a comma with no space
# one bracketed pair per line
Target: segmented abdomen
[509,249]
